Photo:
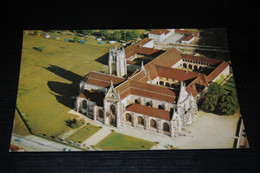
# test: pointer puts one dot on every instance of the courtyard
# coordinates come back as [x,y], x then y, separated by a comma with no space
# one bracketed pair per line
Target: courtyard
[208,131]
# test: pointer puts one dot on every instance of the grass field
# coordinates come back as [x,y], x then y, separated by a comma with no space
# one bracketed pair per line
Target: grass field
[117,141]
[19,126]
[50,78]
[84,133]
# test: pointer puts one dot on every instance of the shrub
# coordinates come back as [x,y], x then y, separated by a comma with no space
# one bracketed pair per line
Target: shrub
[74,123]
[76,39]
[41,48]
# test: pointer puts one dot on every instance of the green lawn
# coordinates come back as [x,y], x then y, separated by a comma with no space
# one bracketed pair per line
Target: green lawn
[117,141]
[50,78]
[19,126]
[84,133]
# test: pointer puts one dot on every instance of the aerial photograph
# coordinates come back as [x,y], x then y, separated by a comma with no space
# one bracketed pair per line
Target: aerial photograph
[126,89]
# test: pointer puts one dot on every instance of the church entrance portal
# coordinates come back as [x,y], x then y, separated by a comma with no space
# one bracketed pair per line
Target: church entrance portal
[112,120]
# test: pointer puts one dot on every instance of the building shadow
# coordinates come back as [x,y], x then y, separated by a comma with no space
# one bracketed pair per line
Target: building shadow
[103,59]
[213,37]
[64,93]
[66,74]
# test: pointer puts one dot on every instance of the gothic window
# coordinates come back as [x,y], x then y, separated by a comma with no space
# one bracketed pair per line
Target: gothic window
[84,104]
[160,107]
[148,104]
[166,127]
[100,113]
[140,120]
[128,117]
[153,123]
[113,109]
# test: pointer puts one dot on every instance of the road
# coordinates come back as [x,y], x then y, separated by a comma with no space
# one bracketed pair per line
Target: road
[34,143]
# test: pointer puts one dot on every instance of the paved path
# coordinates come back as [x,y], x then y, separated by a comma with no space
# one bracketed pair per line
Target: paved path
[34,143]
[70,132]
[94,139]
[207,131]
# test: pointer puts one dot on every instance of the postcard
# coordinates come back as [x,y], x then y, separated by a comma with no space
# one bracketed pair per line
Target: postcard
[126,89]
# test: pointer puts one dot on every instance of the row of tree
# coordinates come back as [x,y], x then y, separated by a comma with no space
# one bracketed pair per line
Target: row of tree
[219,101]
[120,35]
[116,35]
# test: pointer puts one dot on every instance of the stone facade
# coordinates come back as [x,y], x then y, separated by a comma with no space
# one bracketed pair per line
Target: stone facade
[117,62]
[161,105]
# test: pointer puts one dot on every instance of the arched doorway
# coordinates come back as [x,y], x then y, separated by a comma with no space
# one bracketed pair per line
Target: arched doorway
[153,123]
[112,120]
[140,120]
[100,113]
[184,65]
[128,117]
[137,101]
[148,104]
[190,66]
[160,107]
[84,104]
[161,83]
[166,127]
[167,84]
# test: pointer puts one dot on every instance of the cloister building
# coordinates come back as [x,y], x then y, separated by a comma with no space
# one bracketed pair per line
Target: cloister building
[160,96]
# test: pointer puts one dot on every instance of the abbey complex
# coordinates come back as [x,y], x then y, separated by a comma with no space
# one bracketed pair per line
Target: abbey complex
[148,88]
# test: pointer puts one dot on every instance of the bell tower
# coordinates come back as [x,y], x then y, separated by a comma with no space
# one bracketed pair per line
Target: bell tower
[117,62]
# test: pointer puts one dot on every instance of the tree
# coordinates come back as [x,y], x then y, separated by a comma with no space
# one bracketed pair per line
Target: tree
[228,103]
[117,35]
[74,123]
[215,89]
[76,39]
[105,34]
[123,34]
[86,32]
[210,102]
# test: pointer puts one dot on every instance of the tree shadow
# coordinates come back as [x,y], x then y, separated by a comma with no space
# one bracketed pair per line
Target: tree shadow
[65,93]
[103,59]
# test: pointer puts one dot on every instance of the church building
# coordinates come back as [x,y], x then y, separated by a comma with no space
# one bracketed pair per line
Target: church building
[160,96]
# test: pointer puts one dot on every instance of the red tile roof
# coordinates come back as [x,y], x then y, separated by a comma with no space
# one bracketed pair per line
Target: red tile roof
[140,76]
[145,90]
[200,59]
[150,111]
[159,31]
[188,38]
[217,71]
[93,96]
[102,79]
[186,32]
[137,48]
[168,59]
[174,73]
[130,62]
